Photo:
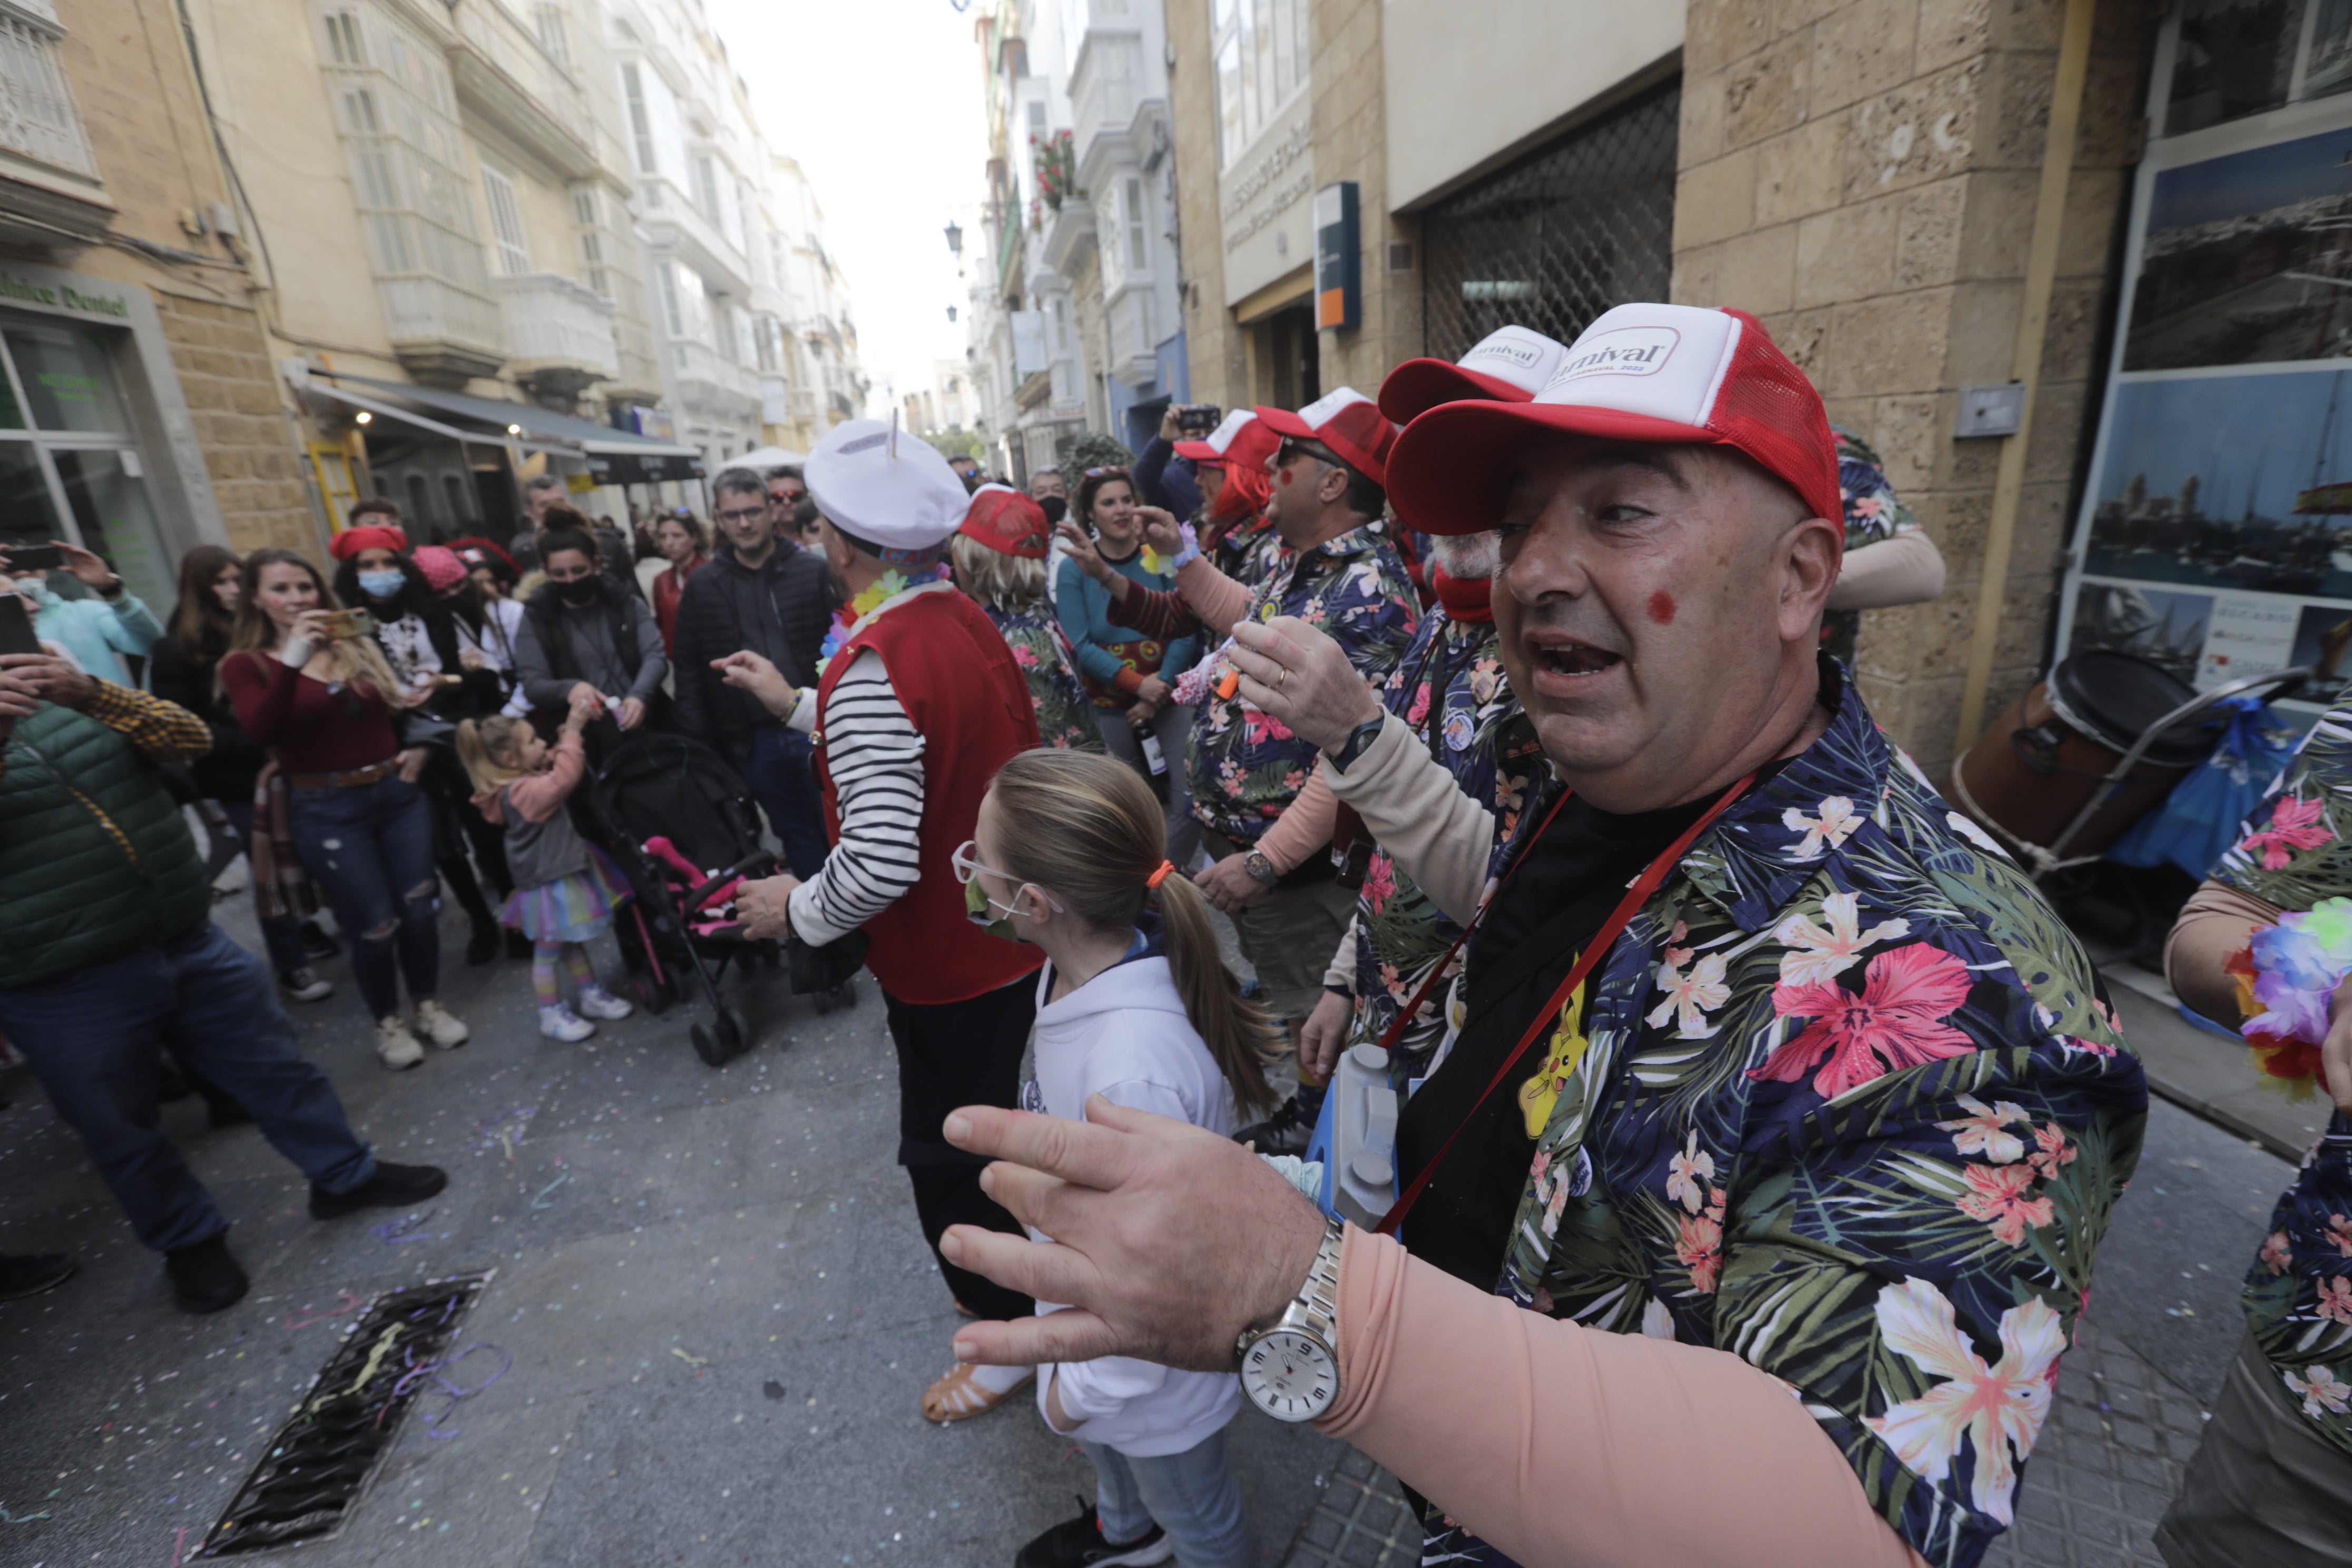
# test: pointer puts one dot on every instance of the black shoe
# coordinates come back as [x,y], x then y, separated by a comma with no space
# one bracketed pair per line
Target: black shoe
[206,1278]
[317,946]
[29,1275]
[519,945]
[392,1187]
[1286,1132]
[482,947]
[1079,1543]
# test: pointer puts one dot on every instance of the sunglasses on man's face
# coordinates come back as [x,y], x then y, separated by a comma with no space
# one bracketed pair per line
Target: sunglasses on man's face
[1290,452]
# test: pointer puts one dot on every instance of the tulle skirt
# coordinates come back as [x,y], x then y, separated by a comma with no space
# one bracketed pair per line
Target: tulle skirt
[570,909]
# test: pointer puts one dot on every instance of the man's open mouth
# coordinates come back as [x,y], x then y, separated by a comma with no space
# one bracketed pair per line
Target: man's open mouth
[1576,658]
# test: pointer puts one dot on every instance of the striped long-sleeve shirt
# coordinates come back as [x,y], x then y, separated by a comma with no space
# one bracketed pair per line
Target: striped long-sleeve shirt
[876,759]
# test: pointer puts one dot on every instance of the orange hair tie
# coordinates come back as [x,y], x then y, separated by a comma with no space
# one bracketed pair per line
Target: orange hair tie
[1160,875]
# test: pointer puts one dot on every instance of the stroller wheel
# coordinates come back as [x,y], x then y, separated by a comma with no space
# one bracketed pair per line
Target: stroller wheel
[720,1044]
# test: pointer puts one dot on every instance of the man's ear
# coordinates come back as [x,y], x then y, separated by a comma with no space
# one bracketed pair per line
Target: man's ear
[1811,554]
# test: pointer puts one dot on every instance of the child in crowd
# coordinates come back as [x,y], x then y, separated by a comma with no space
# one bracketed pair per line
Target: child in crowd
[565,889]
[999,562]
[1136,1006]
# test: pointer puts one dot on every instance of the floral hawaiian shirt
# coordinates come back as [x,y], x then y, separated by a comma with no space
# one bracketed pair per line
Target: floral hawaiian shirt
[1846,1102]
[2295,850]
[1450,686]
[1246,765]
[1065,719]
[1873,513]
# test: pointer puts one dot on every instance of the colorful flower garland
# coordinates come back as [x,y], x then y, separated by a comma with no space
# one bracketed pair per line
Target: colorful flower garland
[882,589]
[2286,979]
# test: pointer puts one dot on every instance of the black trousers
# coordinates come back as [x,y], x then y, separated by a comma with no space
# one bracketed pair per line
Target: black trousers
[949,1055]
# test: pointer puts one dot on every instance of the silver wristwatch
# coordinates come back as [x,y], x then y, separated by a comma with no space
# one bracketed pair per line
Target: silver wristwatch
[1291,1369]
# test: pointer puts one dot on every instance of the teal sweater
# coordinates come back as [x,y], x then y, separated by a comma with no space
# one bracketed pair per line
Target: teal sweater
[1083,606]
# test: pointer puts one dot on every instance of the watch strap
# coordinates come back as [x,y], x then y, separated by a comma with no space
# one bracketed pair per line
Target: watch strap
[1256,864]
[1358,742]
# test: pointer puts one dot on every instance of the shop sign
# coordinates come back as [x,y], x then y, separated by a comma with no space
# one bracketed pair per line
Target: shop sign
[62,298]
[1338,256]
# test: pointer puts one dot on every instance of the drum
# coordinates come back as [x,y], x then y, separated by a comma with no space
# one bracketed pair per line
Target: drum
[2045,759]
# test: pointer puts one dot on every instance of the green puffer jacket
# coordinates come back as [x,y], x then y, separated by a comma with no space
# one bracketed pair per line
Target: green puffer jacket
[95,859]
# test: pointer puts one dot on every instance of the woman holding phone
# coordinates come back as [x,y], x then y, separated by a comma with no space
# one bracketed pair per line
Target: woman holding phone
[310,683]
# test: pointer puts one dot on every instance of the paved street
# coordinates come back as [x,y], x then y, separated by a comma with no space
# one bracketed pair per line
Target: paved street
[719,1316]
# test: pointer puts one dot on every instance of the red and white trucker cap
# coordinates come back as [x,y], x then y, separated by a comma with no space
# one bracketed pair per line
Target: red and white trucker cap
[1510,364]
[1240,437]
[1346,421]
[1664,373]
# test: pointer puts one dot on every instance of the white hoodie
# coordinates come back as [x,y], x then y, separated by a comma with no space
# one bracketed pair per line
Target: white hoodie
[1124,1034]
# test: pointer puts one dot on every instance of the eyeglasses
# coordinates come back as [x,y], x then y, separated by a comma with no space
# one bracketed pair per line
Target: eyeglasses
[740,514]
[965,866]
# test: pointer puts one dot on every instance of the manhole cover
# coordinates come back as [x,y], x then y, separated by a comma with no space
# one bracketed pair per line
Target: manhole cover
[312,1472]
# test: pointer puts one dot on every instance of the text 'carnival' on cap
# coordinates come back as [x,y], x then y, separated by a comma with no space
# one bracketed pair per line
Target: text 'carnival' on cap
[1510,364]
[1241,438]
[1008,523]
[1346,421]
[887,487]
[1671,374]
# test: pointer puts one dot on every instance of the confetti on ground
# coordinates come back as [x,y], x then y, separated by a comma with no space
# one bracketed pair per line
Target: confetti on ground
[8,1518]
[350,1304]
[536,1200]
[389,1232]
[690,1360]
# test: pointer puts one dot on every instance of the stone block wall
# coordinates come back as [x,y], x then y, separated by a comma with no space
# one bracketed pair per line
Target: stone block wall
[1862,174]
[1348,82]
[1217,349]
[248,442]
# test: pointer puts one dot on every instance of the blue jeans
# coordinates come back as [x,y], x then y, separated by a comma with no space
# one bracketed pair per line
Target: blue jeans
[281,933]
[783,780]
[1193,1496]
[370,849]
[94,1039]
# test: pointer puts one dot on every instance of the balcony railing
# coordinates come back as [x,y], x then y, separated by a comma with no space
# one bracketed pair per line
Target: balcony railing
[504,73]
[559,325]
[38,117]
[441,331]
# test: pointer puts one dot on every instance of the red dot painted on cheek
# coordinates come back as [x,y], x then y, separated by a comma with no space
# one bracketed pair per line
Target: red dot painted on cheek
[1287,476]
[1662,607]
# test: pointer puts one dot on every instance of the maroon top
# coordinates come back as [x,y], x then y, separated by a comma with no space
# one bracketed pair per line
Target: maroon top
[669,587]
[307,728]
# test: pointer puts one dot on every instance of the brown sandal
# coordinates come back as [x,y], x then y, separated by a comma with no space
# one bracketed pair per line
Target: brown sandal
[956,1397]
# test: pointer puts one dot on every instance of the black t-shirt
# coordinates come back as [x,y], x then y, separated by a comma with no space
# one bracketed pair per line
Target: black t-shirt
[1565,885]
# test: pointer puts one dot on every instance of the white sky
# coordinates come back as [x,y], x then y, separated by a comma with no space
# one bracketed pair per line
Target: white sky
[881,101]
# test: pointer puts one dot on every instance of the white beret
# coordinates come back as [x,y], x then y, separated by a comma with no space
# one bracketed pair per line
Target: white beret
[886,487]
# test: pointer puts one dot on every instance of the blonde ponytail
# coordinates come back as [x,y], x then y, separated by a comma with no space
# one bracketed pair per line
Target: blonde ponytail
[1087,828]
[480,745]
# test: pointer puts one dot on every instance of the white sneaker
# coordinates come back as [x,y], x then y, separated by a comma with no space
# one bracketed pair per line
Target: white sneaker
[599,1003]
[440,1028]
[560,1023]
[304,986]
[395,1048]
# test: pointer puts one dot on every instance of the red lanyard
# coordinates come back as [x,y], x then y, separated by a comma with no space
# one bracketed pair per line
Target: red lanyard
[1602,940]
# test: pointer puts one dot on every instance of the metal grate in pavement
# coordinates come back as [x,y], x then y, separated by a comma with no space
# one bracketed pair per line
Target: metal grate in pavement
[1361,1522]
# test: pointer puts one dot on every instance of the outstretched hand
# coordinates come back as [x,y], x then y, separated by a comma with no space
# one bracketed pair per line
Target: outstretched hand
[1160,528]
[752,672]
[1169,1240]
[1081,545]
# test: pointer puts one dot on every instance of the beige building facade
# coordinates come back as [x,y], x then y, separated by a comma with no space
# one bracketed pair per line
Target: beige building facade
[1862,174]
[139,411]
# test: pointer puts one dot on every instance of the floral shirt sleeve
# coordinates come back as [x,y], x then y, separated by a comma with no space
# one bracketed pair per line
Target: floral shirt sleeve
[1873,513]
[1247,764]
[2295,850]
[1846,1102]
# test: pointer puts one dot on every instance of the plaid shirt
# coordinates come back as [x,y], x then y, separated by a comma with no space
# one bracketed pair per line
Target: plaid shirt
[163,732]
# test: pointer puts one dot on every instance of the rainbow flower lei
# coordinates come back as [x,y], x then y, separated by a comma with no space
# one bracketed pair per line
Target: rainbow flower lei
[882,589]
[2285,978]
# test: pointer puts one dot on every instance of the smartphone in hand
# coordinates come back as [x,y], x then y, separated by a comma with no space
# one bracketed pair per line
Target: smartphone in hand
[23,558]
[16,634]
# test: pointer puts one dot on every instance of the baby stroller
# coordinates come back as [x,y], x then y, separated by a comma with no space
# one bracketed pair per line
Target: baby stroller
[681,826]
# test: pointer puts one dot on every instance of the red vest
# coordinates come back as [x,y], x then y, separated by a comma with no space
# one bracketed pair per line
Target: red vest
[967,698]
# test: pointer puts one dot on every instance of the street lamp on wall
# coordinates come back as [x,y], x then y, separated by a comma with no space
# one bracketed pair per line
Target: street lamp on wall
[955,237]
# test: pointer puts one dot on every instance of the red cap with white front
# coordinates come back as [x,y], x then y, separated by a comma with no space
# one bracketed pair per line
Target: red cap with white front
[1648,373]
[1240,437]
[1346,422]
[1510,363]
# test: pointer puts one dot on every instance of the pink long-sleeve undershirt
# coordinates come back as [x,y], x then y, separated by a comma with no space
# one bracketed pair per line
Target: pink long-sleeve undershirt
[1573,1447]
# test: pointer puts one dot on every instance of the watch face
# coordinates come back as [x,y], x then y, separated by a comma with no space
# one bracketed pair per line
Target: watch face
[1290,1376]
